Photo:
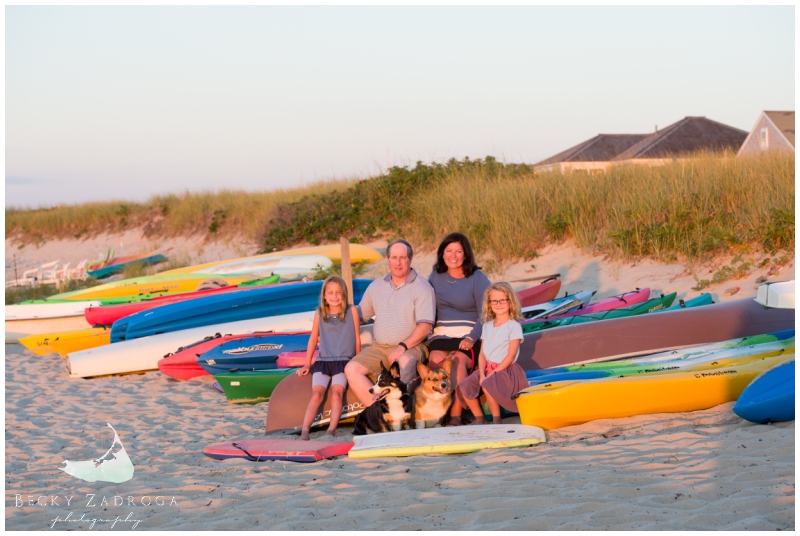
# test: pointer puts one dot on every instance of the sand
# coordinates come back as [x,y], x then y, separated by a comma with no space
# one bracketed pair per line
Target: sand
[704,470]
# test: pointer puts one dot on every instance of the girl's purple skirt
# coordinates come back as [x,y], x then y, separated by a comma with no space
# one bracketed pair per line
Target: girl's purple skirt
[500,385]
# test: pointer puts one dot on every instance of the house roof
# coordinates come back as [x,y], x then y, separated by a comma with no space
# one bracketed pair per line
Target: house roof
[688,135]
[783,121]
[601,148]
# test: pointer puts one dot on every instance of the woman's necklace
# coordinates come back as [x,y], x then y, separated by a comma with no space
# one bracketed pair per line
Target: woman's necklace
[453,279]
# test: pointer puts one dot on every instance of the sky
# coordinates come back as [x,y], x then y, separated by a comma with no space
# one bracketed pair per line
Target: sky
[122,103]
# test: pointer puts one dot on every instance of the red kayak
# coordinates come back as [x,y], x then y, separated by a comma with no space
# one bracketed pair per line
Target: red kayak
[625,299]
[182,364]
[542,293]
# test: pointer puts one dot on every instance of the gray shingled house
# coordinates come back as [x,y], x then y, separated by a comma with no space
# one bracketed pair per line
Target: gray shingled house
[687,136]
[774,131]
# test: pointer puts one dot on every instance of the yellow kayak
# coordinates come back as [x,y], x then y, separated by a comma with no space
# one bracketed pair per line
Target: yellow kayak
[566,403]
[358,253]
[66,342]
[158,284]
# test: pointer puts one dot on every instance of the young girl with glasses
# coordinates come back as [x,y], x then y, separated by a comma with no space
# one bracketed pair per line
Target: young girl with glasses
[499,377]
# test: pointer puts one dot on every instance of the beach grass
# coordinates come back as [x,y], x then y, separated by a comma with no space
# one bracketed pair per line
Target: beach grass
[39,292]
[692,207]
[220,213]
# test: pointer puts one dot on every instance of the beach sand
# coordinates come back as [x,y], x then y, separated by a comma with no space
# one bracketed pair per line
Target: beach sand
[706,470]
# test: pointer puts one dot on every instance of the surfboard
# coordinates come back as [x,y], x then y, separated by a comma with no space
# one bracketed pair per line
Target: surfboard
[291,450]
[449,440]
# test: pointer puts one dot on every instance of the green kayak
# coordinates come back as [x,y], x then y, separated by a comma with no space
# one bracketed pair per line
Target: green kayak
[251,386]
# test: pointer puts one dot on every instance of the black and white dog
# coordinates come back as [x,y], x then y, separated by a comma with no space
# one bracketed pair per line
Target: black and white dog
[392,410]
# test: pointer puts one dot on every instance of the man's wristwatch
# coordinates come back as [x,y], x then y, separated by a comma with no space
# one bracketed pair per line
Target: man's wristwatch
[404,345]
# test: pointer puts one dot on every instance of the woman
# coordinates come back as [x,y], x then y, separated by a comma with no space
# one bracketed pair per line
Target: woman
[459,285]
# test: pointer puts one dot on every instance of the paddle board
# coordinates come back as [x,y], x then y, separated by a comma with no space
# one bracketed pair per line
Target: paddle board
[290,450]
[449,440]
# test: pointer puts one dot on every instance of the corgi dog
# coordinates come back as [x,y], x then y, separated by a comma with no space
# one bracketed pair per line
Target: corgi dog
[392,410]
[433,396]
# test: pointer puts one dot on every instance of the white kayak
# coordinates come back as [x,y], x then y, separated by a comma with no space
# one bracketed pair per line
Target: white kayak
[294,267]
[39,318]
[779,295]
[143,354]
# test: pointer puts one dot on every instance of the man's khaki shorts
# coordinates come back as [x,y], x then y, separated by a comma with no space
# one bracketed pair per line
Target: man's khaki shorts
[372,356]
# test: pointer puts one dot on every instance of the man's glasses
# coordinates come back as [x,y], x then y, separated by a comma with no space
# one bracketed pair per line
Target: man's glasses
[498,302]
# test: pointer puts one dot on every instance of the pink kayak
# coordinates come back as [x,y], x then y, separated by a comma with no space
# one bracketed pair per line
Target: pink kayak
[294,359]
[544,292]
[625,299]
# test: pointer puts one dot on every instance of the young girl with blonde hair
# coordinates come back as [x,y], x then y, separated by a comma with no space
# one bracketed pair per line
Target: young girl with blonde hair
[336,328]
[498,376]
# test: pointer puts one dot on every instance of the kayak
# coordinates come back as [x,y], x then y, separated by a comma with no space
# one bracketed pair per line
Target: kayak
[150,284]
[778,339]
[105,315]
[254,352]
[770,397]
[648,306]
[622,338]
[714,359]
[36,319]
[626,299]
[779,294]
[697,301]
[559,404]
[246,304]
[543,292]
[251,386]
[358,253]
[144,353]
[288,268]
[557,306]
[183,365]
[65,342]
[117,266]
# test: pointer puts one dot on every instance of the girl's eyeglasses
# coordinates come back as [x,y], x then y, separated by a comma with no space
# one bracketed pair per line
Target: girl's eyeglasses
[498,302]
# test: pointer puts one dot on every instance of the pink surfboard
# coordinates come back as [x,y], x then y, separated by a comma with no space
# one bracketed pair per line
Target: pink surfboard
[292,450]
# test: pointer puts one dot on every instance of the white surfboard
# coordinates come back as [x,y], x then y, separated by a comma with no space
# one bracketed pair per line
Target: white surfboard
[449,440]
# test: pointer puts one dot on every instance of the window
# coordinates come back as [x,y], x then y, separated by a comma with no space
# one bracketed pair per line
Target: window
[763,139]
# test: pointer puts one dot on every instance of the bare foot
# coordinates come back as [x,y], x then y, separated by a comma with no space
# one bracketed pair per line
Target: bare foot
[331,433]
[479,420]
[496,419]
[304,435]
[454,421]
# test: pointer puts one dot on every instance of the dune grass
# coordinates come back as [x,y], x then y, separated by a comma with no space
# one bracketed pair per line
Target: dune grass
[224,212]
[692,207]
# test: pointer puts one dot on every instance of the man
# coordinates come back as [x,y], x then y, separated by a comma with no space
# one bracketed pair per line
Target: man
[404,307]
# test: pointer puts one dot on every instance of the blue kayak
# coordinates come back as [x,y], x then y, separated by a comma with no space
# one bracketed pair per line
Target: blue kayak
[244,304]
[770,397]
[119,267]
[256,352]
